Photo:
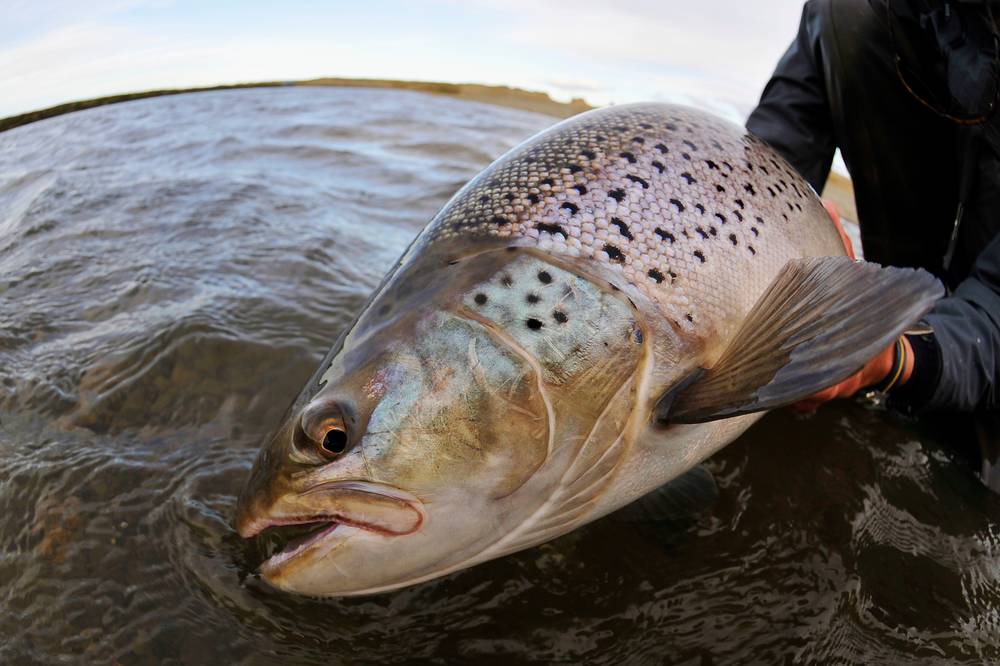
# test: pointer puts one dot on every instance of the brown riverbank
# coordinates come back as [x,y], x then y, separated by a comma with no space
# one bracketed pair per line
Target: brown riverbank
[517,98]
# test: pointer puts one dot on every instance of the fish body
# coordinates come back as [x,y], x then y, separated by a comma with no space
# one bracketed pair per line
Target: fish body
[599,310]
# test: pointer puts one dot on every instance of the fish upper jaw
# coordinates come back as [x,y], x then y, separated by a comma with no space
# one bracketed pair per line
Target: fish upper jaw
[344,507]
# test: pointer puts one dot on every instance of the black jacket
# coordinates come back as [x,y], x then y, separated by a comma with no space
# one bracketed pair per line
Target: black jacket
[838,85]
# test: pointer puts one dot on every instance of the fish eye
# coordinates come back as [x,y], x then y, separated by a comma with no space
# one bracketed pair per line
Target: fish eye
[334,441]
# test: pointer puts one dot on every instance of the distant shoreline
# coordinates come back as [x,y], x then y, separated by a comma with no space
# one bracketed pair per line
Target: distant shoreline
[516,98]
[838,188]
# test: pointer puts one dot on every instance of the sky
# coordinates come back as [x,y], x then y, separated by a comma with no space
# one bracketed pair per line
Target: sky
[715,53]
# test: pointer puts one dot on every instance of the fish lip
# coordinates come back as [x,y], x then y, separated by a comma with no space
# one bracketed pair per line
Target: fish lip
[354,488]
[251,528]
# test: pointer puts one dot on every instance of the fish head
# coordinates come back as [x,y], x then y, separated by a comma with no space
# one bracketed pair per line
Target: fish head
[446,434]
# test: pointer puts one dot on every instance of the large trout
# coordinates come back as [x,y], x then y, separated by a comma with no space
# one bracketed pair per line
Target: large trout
[594,314]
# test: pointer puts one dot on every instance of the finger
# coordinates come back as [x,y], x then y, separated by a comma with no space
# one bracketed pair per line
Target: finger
[831,209]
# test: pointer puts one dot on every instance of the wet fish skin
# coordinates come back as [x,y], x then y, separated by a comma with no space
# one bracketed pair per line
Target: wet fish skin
[503,381]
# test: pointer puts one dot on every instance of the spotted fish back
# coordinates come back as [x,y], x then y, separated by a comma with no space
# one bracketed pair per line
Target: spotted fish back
[694,211]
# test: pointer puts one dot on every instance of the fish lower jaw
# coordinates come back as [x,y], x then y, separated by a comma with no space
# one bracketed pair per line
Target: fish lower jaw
[318,544]
[297,547]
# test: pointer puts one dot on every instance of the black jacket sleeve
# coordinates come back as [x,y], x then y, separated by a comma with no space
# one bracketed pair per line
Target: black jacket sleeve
[966,360]
[793,115]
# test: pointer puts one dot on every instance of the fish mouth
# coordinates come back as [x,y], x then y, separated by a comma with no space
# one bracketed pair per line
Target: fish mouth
[322,518]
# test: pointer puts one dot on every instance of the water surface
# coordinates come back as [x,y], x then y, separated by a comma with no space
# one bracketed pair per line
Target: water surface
[172,270]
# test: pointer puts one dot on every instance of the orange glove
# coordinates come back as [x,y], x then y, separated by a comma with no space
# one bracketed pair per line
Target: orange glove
[875,370]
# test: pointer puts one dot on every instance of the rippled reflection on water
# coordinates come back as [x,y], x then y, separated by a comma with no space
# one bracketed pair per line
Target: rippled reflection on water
[171,271]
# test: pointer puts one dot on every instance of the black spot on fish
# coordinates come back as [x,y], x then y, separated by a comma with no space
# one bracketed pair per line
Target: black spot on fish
[759,219]
[688,178]
[499,220]
[725,163]
[713,231]
[582,189]
[544,277]
[738,214]
[589,154]
[618,195]
[637,179]
[686,156]
[546,181]
[638,139]
[659,166]
[732,238]
[739,202]
[764,169]
[790,207]
[712,165]
[614,253]
[678,205]
[784,216]
[533,324]
[533,198]
[690,145]
[798,206]
[574,168]
[754,230]
[721,218]
[480,299]
[750,188]
[720,188]
[700,256]
[571,207]
[701,232]
[551,228]
[628,156]
[701,209]
[673,276]
[484,198]
[665,235]
[622,228]
[656,275]
[752,251]
[560,316]
[689,318]
[663,149]
[770,190]
[506,281]
[532,298]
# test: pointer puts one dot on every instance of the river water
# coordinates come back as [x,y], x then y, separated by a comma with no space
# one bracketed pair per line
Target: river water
[171,272]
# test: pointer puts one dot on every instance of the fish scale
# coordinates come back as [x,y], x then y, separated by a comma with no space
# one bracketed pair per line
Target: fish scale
[678,201]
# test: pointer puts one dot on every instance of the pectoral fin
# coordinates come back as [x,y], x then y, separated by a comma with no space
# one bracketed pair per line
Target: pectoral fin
[818,323]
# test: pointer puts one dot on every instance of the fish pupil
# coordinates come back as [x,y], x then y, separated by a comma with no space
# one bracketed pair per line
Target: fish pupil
[335,441]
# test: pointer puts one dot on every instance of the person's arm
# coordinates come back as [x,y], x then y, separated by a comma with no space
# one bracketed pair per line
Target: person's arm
[793,115]
[958,366]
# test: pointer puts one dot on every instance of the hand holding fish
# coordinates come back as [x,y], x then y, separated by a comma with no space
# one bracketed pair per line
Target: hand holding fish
[877,370]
